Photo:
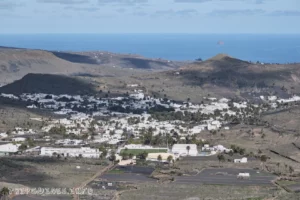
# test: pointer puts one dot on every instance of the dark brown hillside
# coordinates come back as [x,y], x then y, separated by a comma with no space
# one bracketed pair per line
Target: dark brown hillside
[49,84]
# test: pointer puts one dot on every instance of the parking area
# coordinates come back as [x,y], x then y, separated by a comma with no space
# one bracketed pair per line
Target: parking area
[227,177]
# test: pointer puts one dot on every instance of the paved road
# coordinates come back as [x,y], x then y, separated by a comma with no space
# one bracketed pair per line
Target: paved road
[226,177]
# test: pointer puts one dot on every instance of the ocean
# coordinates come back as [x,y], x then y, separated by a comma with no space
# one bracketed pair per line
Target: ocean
[180,47]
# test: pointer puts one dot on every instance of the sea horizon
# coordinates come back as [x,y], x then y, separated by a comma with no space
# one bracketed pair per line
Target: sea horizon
[268,48]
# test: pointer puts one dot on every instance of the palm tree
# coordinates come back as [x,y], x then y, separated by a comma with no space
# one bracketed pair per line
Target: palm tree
[170,158]
[188,149]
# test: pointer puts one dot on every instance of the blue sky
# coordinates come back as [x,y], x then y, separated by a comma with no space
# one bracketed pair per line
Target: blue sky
[150,16]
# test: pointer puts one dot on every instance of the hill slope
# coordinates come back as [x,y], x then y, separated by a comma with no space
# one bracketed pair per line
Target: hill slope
[49,84]
[16,63]
[225,76]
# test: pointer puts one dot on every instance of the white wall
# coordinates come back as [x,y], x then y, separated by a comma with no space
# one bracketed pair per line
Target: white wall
[85,152]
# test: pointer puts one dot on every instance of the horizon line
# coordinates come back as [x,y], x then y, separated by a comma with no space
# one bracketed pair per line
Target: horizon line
[174,33]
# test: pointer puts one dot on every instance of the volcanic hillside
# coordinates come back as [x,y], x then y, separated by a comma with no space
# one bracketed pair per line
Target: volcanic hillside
[224,76]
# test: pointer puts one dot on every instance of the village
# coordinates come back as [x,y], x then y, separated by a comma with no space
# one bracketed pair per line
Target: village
[135,129]
[118,121]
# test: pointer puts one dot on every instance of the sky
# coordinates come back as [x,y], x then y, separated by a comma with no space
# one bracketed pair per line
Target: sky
[150,16]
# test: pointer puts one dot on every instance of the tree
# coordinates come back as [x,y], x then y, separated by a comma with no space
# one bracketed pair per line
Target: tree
[263,159]
[159,158]
[30,142]
[188,148]
[4,192]
[131,155]
[170,158]
[242,151]
[143,155]
[58,130]
[278,165]
[112,157]
[251,154]
[23,147]
[221,158]
[124,155]
[103,154]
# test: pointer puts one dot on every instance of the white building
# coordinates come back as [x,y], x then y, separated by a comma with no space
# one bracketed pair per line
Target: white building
[217,148]
[242,160]
[214,125]
[243,176]
[9,148]
[3,135]
[222,149]
[137,95]
[206,147]
[69,142]
[139,146]
[85,152]
[182,150]
[18,139]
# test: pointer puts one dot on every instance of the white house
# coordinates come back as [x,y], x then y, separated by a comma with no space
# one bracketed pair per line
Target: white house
[85,152]
[242,160]
[182,149]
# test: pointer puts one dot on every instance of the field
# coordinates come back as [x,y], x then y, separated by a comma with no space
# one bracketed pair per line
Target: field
[199,192]
[47,172]
[139,151]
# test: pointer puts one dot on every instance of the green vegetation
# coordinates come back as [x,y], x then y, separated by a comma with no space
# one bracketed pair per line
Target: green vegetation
[136,152]
[237,149]
[4,192]
[58,130]
[23,147]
